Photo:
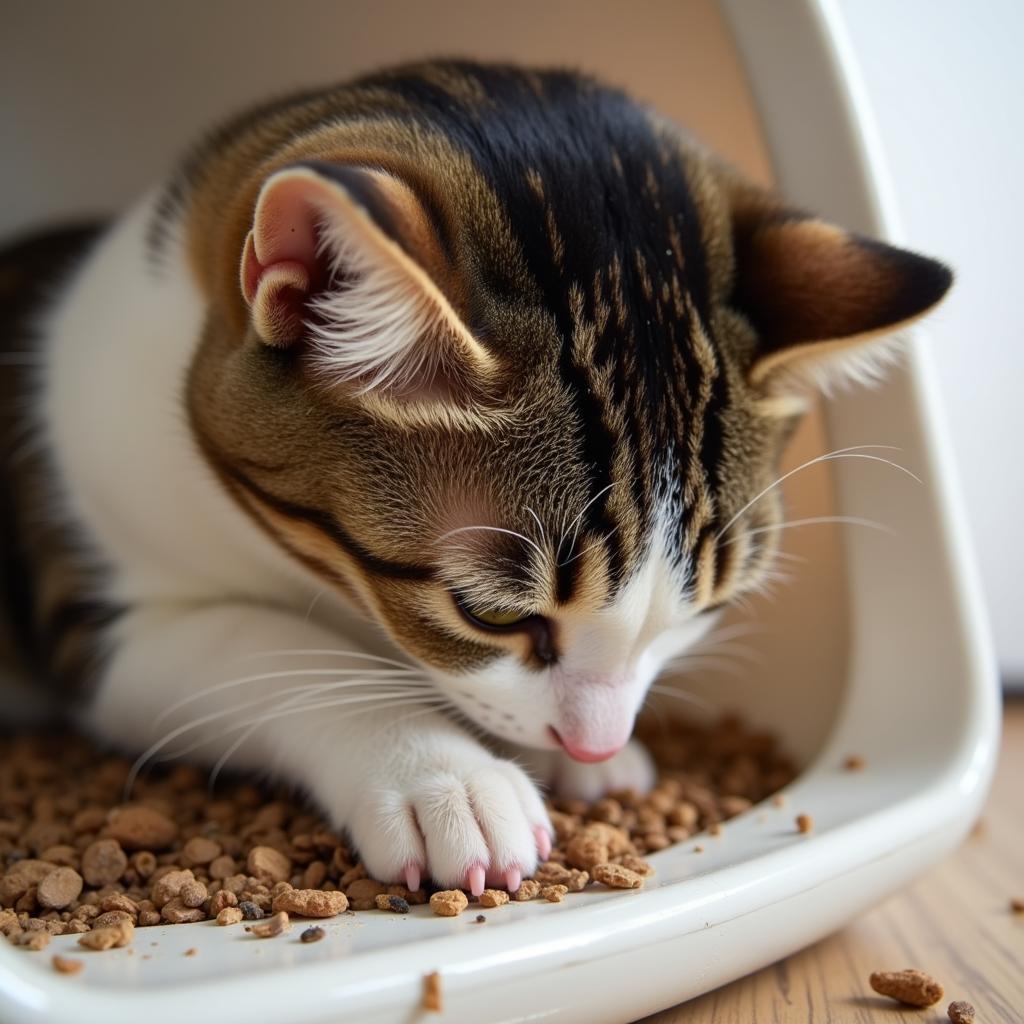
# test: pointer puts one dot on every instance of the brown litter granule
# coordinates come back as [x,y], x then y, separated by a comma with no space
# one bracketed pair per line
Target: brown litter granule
[314,934]
[174,853]
[34,940]
[65,965]
[1017,906]
[854,763]
[449,903]
[229,915]
[270,928]
[528,890]
[191,951]
[137,827]
[698,849]
[804,824]
[915,988]
[637,864]
[112,936]
[960,1012]
[491,898]
[432,1001]
[311,903]
[617,877]
[554,893]
[393,904]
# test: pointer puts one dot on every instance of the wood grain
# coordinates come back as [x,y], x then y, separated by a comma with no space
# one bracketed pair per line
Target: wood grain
[956,924]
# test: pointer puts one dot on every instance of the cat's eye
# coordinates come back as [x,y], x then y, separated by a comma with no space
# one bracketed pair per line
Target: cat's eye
[494,618]
[538,628]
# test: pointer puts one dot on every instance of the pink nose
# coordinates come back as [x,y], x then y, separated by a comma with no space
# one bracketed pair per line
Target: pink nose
[582,754]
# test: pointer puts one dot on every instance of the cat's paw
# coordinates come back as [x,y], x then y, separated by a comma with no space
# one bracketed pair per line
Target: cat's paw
[462,821]
[631,768]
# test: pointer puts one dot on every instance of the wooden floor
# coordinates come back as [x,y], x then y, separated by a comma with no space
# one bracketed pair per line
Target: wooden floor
[956,924]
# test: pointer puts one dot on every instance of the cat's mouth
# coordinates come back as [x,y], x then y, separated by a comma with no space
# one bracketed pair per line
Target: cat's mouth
[579,753]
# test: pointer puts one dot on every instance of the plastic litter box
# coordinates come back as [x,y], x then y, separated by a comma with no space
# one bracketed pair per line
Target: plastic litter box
[877,648]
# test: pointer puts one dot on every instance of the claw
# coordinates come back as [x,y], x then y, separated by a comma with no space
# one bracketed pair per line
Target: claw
[513,879]
[543,842]
[475,879]
[412,877]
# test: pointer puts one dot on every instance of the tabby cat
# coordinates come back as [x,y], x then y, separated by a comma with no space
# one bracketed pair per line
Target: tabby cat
[396,442]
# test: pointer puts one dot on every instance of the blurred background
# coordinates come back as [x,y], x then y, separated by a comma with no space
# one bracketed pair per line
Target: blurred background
[97,99]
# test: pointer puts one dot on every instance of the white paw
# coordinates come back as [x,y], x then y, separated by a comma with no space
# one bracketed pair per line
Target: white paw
[461,820]
[631,768]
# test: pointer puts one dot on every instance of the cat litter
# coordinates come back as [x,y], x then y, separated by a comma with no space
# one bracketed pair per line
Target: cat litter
[913,987]
[960,1012]
[74,859]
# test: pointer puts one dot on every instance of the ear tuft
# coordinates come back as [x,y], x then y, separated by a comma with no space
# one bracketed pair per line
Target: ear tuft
[344,261]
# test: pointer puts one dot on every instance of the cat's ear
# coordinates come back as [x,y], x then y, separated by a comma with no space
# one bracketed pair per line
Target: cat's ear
[825,302]
[345,260]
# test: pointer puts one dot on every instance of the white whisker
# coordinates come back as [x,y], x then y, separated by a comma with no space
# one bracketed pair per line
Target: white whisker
[814,521]
[540,525]
[230,684]
[683,695]
[849,453]
[576,521]
[493,529]
[325,652]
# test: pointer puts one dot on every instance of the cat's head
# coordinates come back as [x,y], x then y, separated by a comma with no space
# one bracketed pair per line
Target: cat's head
[510,364]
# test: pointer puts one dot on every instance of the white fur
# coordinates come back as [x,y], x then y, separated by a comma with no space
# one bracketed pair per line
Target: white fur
[372,327]
[211,600]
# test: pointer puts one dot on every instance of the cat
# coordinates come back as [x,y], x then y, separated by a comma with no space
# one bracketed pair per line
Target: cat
[396,443]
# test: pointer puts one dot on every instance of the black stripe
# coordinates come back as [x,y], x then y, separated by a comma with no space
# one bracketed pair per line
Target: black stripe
[331,528]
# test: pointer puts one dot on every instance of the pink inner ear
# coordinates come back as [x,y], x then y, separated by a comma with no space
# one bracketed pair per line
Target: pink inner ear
[280,266]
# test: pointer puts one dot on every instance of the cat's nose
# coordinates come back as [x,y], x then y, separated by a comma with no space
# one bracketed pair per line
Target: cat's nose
[582,753]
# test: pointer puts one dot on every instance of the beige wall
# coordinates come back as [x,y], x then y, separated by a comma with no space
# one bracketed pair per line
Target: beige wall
[98,96]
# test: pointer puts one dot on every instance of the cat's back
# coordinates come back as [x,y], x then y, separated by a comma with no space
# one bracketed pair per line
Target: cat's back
[33,270]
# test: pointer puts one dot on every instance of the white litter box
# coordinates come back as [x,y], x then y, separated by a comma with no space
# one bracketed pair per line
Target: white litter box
[877,648]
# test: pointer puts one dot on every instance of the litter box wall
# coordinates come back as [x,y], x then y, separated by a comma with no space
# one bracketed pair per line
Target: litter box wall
[125,87]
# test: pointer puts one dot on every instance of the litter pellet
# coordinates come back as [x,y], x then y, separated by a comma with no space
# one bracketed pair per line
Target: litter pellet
[394,904]
[449,903]
[804,824]
[229,915]
[34,940]
[854,763]
[480,919]
[1017,906]
[554,893]
[114,936]
[527,891]
[65,965]
[432,1001]
[491,898]
[314,934]
[960,1012]
[191,951]
[617,877]
[913,987]
[250,911]
[311,903]
[270,928]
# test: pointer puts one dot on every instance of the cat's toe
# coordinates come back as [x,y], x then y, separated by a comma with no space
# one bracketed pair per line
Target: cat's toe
[477,828]
[388,837]
[631,768]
